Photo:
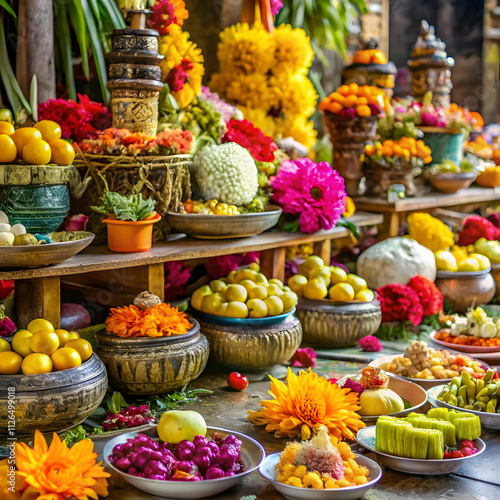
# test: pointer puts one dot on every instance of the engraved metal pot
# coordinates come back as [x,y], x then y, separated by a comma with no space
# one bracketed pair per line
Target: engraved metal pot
[331,325]
[153,365]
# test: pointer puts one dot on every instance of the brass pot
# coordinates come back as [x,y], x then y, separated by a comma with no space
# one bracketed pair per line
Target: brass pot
[52,402]
[331,325]
[153,365]
[465,289]
[253,349]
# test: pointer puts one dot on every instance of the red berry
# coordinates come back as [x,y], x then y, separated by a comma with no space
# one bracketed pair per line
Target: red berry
[237,381]
[467,452]
[456,454]
[467,443]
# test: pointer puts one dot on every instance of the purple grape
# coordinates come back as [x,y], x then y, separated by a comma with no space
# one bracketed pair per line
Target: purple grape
[227,456]
[184,450]
[214,447]
[233,440]
[155,467]
[237,468]
[158,476]
[199,441]
[202,462]
[132,471]
[142,458]
[123,464]
[214,472]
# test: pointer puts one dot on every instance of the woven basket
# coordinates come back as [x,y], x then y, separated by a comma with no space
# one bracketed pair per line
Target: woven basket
[164,178]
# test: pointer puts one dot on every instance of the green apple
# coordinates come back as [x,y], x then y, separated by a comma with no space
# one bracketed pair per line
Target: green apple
[274,306]
[274,290]
[198,295]
[179,425]
[275,281]
[211,303]
[236,309]
[289,300]
[218,286]
[297,283]
[245,274]
[236,292]
[261,280]
[256,308]
[257,292]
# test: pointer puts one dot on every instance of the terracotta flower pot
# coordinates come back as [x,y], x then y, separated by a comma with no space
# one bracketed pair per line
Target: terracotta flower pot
[130,236]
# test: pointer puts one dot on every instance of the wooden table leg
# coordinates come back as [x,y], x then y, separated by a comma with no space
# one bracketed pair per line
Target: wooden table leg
[390,227]
[323,249]
[156,280]
[38,298]
[272,263]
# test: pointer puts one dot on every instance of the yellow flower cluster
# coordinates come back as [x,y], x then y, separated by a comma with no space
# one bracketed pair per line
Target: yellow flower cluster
[430,232]
[265,75]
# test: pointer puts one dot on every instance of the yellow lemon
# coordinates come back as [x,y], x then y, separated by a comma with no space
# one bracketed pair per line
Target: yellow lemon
[65,358]
[322,273]
[36,152]
[484,262]
[22,136]
[36,363]
[6,128]
[10,363]
[445,261]
[73,335]
[315,289]
[21,342]
[337,275]
[356,282]
[62,152]
[4,346]
[63,336]
[39,324]
[341,292]
[8,150]
[365,295]
[469,264]
[44,341]
[50,130]
[460,253]
[297,283]
[82,347]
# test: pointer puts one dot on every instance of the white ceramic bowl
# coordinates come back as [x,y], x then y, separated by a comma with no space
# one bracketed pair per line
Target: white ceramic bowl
[425,467]
[251,451]
[295,493]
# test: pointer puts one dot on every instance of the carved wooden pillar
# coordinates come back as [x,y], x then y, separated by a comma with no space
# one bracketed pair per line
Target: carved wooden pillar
[35,47]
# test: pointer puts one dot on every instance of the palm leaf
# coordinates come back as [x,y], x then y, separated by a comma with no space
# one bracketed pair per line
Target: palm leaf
[64,42]
[7,7]
[114,13]
[7,74]
[77,18]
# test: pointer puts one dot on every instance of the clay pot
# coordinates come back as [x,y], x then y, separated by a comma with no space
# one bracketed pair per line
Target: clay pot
[142,366]
[253,349]
[52,402]
[331,325]
[126,236]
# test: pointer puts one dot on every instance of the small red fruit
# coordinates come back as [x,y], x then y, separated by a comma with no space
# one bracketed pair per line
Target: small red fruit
[456,454]
[467,452]
[237,381]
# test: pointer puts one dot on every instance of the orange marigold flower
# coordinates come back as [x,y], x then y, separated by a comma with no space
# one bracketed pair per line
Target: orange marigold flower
[309,400]
[122,319]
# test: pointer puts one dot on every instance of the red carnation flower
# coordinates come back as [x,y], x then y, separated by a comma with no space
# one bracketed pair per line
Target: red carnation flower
[400,303]
[304,357]
[476,227]
[428,293]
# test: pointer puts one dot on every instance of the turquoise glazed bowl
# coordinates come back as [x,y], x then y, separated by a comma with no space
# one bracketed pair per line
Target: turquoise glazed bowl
[444,144]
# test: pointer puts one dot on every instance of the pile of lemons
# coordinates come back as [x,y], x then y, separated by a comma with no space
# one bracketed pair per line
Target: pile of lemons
[459,258]
[42,349]
[317,281]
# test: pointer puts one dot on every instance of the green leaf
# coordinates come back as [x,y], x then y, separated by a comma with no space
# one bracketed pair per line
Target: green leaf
[7,74]
[291,227]
[64,43]
[77,18]
[8,8]
[349,225]
[34,98]
[133,207]
[114,13]
[118,402]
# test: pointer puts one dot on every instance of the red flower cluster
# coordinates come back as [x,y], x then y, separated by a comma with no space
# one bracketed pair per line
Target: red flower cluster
[304,357]
[370,343]
[6,288]
[163,16]
[176,278]
[176,140]
[77,121]
[410,302]
[244,133]
[179,75]
[476,227]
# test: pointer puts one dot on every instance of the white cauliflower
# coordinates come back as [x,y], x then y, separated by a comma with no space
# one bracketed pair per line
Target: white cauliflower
[225,172]
[459,327]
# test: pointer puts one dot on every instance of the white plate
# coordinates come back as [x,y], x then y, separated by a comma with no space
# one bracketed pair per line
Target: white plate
[469,349]
[426,467]
[295,493]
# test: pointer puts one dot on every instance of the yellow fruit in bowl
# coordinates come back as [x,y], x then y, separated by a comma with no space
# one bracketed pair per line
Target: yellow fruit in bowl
[322,273]
[469,264]
[445,261]
[65,358]
[257,292]
[82,347]
[274,306]
[248,284]
[44,341]
[7,128]
[10,363]
[8,150]
[36,152]
[315,290]
[245,274]
[256,308]
[356,282]
[4,346]
[218,286]
[231,277]
[62,152]
[49,129]
[212,302]
[236,309]
[484,262]
[22,136]
[460,253]
[274,290]
[21,342]
[73,335]
[261,280]
[36,363]
[236,292]
[365,295]
[297,283]
[341,292]
[275,281]
[199,295]
[178,425]
[312,262]
[63,336]
[337,275]
[39,324]
[289,300]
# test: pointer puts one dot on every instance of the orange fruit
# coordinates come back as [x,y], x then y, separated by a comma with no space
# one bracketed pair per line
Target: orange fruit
[350,101]
[8,150]
[21,342]
[361,57]
[65,358]
[39,324]
[63,337]
[22,136]
[36,152]
[50,130]
[10,363]
[378,58]
[7,128]
[82,347]
[36,363]
[44,341]
[63,152]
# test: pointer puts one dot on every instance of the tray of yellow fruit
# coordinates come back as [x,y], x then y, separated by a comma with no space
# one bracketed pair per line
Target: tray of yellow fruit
[244,297]
[461,262]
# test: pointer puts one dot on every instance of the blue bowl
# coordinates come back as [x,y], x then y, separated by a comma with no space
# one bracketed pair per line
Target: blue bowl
[221,320]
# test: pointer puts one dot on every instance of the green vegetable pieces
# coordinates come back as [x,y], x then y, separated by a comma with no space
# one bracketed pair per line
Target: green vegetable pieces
[130,208]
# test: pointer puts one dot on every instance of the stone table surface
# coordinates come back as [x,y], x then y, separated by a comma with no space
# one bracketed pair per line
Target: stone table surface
[479,479]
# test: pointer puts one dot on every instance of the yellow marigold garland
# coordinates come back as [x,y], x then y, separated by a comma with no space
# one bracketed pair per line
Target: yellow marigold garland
[430,232]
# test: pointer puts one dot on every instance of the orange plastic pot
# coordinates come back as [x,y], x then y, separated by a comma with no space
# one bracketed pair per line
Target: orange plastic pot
[130,236]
